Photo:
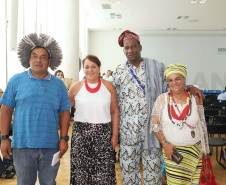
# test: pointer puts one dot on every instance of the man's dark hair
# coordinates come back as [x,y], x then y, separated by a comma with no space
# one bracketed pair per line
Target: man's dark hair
[43,48]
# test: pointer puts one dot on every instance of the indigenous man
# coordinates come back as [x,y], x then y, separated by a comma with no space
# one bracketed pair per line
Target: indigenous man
[41,103]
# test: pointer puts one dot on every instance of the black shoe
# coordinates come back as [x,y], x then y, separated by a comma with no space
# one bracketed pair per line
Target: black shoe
[11,168]
[7,175]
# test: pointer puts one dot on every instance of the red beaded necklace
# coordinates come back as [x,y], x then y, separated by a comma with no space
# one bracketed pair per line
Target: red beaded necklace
[93,90]
[171,111]
[184,112]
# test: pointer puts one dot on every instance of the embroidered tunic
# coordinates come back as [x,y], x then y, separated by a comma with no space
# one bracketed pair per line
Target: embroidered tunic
[133,115]
[134,112]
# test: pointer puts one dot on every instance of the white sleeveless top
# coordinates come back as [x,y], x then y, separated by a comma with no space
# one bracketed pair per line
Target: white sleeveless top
[93,107]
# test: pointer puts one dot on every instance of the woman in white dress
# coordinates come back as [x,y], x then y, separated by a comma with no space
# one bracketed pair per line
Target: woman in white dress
[179,124]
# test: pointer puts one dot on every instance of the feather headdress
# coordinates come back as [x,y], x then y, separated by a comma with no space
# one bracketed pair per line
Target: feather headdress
[31,41]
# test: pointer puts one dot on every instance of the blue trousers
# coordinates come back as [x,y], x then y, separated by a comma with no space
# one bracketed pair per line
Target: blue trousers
[29,161]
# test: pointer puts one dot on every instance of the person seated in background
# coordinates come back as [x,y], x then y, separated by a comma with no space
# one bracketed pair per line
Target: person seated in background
[68,83]
[110,78]
[59,74]
[106,76]
[7,169]
[222,96]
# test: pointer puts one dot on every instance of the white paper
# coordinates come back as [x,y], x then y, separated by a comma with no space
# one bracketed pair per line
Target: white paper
[1,155]
[55,158]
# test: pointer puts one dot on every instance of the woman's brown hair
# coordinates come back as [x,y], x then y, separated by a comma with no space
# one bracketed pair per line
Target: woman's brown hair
[92,58]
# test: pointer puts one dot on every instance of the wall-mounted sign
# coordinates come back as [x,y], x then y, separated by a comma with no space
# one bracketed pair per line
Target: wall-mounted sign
[221,50]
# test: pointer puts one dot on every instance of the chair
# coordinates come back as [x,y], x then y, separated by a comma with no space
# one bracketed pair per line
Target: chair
[207,103]
[207,119]
[217,141]
[211,98]
[219,120]
[223,111]
[211,112]
[219,107]
[219,103]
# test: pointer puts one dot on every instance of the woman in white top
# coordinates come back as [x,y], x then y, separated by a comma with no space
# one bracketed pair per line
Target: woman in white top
[179,124]
[95,130]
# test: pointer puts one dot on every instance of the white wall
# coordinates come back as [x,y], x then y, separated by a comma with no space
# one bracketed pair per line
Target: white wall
[2,45]
[199,53]
[50,22]
[206,66]
[105,46]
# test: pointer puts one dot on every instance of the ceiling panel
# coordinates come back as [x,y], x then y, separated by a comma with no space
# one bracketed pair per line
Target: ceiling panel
[155,15]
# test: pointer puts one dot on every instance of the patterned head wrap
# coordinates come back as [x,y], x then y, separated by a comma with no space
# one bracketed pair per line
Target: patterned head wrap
[31,41]
[127,35]
[175,68]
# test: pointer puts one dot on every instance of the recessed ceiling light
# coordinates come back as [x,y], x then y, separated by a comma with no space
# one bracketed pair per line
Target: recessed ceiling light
[118,16]
[171,29]
[202,1]
[112,15]
[194,1]
[182,17]
[193,21]
[106,6]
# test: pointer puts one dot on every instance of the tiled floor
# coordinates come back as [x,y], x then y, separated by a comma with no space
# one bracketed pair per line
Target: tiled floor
[63,177]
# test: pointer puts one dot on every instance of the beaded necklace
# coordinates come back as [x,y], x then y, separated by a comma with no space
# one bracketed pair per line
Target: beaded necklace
[135,76]
[92,90]
[185,113]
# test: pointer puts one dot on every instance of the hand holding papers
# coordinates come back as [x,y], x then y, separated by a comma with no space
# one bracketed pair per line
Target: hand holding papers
[55,158]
